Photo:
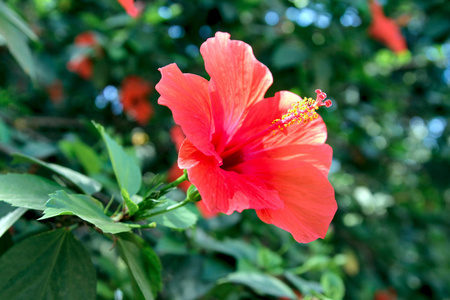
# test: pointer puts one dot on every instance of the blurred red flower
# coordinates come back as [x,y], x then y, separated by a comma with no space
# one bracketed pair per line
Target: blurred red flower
[129,7]
[233,152]
[134,97]
[178,137]
[55,91]
[81,63]
[386,30]
[389,294]
[86,39]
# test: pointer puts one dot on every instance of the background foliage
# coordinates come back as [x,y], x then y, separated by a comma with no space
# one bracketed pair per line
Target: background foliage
[388,127]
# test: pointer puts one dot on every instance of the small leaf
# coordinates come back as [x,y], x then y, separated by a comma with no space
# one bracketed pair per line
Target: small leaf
[84,183]
[83,206]
[26,190]
[333,285]
[143,263]
[8,216]
[261,283]
[180,218]
[51,265]
[125,168]
[132,207]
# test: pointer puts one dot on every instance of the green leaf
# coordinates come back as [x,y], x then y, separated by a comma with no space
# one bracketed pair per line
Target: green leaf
[126,170]
[8,216]
[26,190]
[83,206]
[84,154]
[269,260]
[16,41]
[132,207]
[17,21]
[84,183]
[304,286]
[143,263]
[51,265]
[236,248]
[333,285]
[261,283]
[180,218]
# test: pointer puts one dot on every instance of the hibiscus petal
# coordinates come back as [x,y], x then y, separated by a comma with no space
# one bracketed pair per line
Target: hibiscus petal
[309,204]
[187,97]
[204,211]
[129,7]
[225,191]
[320,156]
[238,81]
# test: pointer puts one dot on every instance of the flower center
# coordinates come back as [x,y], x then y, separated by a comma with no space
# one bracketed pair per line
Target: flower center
[301,112]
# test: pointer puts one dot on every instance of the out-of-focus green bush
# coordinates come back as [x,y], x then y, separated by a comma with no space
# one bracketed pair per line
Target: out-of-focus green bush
[388,127]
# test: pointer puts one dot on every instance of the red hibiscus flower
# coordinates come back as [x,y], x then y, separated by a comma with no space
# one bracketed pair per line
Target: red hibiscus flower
[386,30]
[178,137]
[55,91]
[86,39]
[233,152]
[81,63]
[134,96]
[129,7]
[389,294]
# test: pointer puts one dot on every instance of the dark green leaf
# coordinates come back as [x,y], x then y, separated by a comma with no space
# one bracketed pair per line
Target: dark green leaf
[83,206]
[26,190]
[261,283]
[143,263]
[52,265]
[86,184]
[125,168]
[6,242]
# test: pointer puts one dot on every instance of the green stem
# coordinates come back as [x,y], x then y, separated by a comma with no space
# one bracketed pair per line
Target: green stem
[175,183]
[170,208]
[139,226]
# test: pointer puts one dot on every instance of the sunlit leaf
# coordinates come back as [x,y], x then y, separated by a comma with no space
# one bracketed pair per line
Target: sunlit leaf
[83,206]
